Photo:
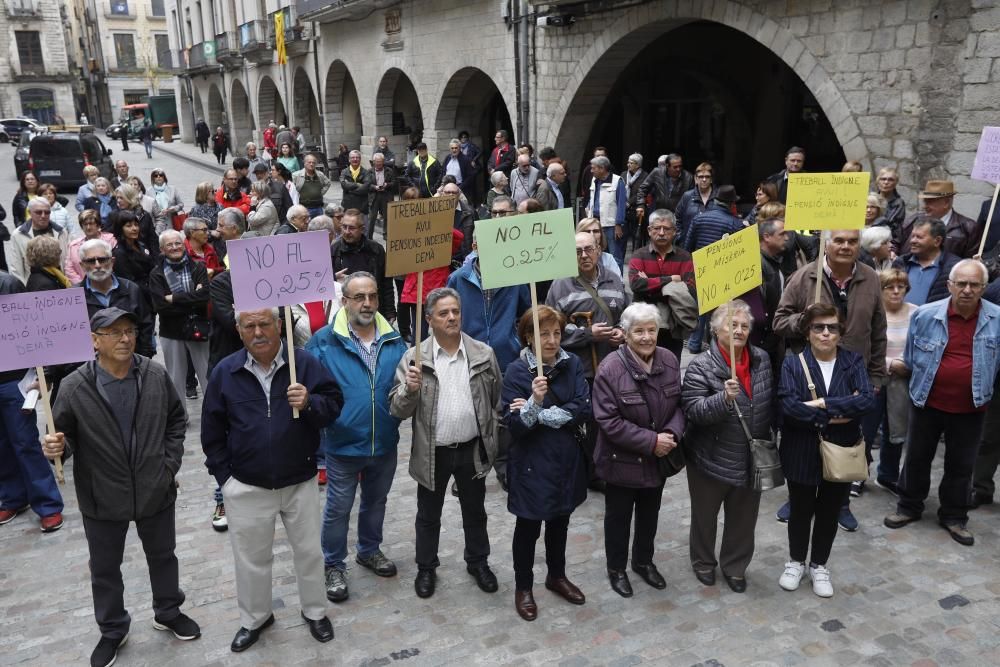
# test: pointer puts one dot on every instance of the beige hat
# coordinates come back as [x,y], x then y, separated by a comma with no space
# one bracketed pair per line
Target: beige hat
[937,189]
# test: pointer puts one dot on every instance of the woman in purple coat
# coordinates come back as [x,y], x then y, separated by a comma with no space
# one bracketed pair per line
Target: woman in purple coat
[636,404]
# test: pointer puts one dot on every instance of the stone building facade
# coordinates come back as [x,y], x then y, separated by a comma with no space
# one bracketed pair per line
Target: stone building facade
[37,74]
[902,83]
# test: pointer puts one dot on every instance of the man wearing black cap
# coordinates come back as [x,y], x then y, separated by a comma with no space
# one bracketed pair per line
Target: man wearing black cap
[123,401]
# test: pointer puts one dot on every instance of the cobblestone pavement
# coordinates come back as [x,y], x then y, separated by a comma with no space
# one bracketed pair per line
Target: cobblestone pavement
[906,597]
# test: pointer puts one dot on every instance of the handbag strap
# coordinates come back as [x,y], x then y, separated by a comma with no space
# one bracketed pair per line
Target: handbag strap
[601,303]
[809,380]
[743,423]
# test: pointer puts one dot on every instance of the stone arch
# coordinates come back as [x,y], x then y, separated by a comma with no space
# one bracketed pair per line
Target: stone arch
[397,110]
[217,116]
[269,104]
[343,109]
[305,109]
[471,101]
[241,121]
[597,69]
[199,107]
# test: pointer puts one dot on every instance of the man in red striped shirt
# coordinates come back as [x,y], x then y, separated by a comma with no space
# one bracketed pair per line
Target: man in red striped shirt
[653,269]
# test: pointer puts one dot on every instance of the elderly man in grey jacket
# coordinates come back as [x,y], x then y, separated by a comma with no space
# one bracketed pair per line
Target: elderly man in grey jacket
[453,396]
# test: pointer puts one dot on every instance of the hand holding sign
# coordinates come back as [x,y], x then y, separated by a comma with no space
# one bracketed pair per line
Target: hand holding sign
[44,328]
[987,168]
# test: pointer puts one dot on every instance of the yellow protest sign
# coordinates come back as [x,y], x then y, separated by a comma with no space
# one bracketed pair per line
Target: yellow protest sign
[827,201]
[727,268]
[418,235]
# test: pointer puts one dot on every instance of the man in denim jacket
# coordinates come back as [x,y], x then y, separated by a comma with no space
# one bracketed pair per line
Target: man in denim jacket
[951,351]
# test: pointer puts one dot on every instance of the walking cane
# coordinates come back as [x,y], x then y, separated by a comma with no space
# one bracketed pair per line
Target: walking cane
[588,317]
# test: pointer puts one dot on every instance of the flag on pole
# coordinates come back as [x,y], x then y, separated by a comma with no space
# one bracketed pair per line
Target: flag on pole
[279,37]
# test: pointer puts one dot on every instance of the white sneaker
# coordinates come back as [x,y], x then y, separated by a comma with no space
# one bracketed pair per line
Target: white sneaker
[792,575]
[821,581]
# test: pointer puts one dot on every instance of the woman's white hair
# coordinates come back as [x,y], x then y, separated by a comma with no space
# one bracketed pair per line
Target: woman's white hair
[872,238]
[722,313]
[638,313]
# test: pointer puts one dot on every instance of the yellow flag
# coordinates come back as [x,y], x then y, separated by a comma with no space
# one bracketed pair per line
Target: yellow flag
[279,37]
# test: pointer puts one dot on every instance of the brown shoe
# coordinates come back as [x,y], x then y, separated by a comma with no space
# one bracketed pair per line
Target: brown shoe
[960,533]
[565,588]
[524,603]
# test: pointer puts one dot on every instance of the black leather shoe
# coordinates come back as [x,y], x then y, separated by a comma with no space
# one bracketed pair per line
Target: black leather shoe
[707,577]
[650,575]
[321,630]
[424,583]
[244,638]
[738,584]
[485,579]
[620,583]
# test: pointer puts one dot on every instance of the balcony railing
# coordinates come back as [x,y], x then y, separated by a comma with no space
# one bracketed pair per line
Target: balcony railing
[23,8]
[254,42]
[200,57]
[227,48]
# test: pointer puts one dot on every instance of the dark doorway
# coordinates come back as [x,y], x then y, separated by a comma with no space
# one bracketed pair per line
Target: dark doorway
[711,93]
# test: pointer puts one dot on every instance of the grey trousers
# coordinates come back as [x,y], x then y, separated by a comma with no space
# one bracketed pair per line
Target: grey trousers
[708,496]
[175,360]
[251,511]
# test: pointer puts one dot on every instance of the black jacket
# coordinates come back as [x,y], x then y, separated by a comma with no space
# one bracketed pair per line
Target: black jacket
[367,256]
[666,194]
[253,437]
[127,296]
[174,314]
[40,281]
[135,265]
[115,482]
[355,192]
[225,339]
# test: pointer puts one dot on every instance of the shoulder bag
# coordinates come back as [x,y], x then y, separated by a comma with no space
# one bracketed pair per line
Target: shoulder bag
[840,463]
[765,465]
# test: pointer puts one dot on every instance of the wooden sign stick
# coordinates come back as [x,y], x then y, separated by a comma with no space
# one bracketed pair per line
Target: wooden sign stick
[419,319]
[538,334]
[290,344]
[989,219]
[43,386]
[732,347]
[819,266]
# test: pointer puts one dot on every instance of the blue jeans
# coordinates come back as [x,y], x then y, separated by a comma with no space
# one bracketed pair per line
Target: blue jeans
[25,474]
[615,246]
[698,335]
[375,474]
[313,212]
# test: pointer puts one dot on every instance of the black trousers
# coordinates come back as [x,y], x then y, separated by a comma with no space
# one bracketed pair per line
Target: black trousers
[526,532]
[459,462]
[664,339]
[106,541]
[988,457]
[961,445]
[619,502]
[814,510]
[402,312]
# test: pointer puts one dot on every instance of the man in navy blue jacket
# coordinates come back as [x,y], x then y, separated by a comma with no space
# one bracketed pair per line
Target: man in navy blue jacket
[264,458]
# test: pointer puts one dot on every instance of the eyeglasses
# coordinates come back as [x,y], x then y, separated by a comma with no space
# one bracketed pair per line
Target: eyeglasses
[962,285]
[361,298]
[119,334]
[587,250]
[95,260]
[175,244]
[820,328]
[499,213]
[662,230]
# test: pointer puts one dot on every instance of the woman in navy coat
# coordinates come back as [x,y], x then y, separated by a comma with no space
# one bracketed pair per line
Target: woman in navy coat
[546,470]
[844,395]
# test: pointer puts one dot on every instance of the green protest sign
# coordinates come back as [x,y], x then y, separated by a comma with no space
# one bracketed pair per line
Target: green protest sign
[515,250]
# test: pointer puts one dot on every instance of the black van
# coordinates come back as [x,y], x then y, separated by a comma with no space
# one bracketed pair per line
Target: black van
[59,157]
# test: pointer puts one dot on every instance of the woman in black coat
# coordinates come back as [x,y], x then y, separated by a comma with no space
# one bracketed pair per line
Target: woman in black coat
[844,395]
[132,258]
[26,191]
[718,453]
[546,470]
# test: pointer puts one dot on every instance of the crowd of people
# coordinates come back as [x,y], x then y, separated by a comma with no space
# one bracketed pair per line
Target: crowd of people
[888,342]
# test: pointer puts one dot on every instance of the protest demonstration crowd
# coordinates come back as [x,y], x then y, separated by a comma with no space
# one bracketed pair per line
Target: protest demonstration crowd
[814,349]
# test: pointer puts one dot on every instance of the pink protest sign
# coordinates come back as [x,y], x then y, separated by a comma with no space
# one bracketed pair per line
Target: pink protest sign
[280,270]
[987,165]
[43,328]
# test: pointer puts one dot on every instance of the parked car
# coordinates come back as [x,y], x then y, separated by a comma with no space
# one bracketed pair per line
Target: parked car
[59,157]
[22,148]
[14,126]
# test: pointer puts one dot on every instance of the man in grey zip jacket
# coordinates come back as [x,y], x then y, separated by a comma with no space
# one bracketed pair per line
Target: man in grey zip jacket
[454,399]
[122,421]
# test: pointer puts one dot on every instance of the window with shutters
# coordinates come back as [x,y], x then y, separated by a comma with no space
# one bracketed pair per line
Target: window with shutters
[29,51]
[125,51]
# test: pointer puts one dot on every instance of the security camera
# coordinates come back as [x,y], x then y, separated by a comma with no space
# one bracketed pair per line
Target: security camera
[556,21]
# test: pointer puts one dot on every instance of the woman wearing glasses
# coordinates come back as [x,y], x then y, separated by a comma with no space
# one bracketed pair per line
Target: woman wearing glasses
[843,395]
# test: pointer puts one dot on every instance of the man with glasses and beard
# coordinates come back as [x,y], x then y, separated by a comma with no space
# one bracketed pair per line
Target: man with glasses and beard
[103,289]
[361,350]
